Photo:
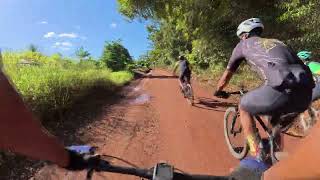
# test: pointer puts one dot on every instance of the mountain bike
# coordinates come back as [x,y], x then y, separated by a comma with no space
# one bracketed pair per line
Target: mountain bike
[161,171]
[233,131]
[187,91]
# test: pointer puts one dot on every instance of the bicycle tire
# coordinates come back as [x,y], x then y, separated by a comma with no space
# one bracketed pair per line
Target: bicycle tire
[313,113]
[239,155]
[305,122]
[189,92]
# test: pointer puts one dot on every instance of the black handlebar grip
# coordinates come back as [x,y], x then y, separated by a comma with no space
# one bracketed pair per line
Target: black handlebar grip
[180,176]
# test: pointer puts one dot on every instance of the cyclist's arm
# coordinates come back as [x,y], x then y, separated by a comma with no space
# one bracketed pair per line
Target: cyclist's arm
[234,62]
[21,133]
[175,67]
[303,163]
[224,80]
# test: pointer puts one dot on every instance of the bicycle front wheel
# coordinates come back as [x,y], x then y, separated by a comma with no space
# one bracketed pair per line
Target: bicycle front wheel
[234,135]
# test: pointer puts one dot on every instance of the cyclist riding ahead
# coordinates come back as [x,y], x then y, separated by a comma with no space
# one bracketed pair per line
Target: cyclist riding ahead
[185,71]
[288,81]
[306,56]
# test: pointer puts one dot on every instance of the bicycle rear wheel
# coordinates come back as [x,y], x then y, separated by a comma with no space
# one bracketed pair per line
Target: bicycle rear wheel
[189,94]
[234,135]
[303,123]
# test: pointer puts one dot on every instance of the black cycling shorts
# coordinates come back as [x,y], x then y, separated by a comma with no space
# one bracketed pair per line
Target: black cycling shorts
[185,76]
[266,100]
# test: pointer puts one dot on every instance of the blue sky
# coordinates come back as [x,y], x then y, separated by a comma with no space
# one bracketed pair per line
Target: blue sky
[65,25]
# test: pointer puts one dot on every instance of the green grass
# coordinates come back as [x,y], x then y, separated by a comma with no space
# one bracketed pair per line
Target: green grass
[243,77]
[54,82]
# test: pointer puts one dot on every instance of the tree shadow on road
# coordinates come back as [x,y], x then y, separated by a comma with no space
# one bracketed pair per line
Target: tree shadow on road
[84,111]
[139,75]
[161,77]
[212,104]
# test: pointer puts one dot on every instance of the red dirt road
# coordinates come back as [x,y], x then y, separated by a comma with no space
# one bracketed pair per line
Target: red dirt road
[191,137]
[165,128]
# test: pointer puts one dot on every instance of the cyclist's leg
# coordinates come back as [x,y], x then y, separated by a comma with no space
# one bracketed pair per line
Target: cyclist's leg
[188,77]
[181,80]
[250,132]
[263,100]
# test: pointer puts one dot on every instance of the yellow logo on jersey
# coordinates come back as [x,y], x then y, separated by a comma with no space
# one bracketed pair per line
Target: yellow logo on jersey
[269,44]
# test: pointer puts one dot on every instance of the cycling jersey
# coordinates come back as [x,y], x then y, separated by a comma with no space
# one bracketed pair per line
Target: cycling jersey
[314,67]
[183,66]
[276,63]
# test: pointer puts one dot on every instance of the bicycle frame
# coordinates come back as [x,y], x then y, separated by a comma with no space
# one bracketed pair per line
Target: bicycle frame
[263,125]
[271,132]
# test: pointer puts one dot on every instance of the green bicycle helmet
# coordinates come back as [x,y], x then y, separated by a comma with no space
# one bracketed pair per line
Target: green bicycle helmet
[304,55]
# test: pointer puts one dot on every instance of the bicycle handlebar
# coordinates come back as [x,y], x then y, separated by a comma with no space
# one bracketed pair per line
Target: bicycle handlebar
[105,166]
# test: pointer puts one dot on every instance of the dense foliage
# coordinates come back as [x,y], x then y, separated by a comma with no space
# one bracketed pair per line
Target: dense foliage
[204,30]
[116,56]
[51,83]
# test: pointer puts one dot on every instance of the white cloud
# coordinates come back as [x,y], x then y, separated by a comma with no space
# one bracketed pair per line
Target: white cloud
[67,44]
[62,45]
[68,35]
[43,22]
[113,25]
[49,35]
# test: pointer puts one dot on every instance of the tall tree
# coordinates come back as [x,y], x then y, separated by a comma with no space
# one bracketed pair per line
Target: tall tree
[82,54]
[33,48]
[116,56]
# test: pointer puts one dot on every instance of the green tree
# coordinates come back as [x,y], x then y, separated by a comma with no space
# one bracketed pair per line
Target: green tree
[304,15]
[33,48]
[116,56]
[82,54]
[204,30]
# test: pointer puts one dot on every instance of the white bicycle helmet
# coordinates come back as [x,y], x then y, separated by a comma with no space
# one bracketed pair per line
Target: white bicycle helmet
[248,25]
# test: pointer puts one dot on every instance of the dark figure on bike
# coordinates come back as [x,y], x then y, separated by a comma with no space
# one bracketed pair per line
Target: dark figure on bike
[288,81]
[314,66]
[185,71]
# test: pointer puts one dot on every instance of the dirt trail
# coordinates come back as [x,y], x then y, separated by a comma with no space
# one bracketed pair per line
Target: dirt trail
[155,123]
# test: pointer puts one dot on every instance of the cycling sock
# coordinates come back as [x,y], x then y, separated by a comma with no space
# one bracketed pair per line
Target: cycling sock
[254,142]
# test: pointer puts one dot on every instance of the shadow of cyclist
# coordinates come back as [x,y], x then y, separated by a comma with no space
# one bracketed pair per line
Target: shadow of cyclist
[212,104]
